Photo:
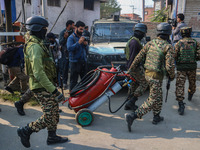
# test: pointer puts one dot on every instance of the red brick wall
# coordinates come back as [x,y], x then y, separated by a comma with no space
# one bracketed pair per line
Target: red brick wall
[151,29]
[149,11]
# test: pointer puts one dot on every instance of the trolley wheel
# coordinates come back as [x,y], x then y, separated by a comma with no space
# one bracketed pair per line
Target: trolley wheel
[84,117]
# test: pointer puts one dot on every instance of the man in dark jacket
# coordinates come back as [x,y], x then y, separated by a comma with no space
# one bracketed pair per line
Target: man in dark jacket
[176,30]
[133,47]
[64,62]
[16,73]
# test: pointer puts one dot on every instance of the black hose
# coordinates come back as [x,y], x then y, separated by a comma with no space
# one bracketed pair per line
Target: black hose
[109,105]
[87,81]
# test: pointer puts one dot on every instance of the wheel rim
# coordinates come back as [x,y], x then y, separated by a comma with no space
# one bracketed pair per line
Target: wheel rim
[85,118]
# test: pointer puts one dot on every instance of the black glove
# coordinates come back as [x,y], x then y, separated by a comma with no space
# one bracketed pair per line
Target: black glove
[58,96]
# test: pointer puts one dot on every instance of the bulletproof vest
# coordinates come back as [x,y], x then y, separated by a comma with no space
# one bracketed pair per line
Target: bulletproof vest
[186,58]
[48,63]
[127,50]
[155,56]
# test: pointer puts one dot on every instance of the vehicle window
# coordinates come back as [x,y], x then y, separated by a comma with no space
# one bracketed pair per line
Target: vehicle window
[112,32]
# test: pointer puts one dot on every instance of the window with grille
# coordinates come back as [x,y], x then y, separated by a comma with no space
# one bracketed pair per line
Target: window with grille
[53,3]
[89,4]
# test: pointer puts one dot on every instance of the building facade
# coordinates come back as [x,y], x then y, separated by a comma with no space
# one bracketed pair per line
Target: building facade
[83,10]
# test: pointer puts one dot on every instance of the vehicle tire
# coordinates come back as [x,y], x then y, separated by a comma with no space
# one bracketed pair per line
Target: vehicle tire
[84,117]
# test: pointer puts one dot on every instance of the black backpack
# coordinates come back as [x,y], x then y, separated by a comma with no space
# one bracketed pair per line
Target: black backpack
[7,54]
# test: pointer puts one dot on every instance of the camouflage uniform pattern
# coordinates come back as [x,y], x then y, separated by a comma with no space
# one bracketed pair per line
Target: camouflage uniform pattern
[137,89]
[180,83]
[50,117]
[26,96]
[154,78]
[186,70]
[154,101]
[42,73]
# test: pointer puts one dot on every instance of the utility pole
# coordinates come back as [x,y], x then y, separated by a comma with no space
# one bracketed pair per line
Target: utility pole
[43,8]
[8,19]
[133,10]
[143,3]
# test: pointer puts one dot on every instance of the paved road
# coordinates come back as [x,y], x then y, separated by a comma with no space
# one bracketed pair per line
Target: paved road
[109,131]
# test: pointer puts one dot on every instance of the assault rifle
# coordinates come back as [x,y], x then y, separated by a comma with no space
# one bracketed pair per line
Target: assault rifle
[168,87]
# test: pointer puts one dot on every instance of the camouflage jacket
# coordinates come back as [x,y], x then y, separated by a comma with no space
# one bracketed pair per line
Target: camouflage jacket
[39,65]
[187,51]
[165,62]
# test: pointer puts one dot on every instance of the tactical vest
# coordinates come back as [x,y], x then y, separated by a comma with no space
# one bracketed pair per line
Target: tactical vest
[127,50]
[186,58]
[155,58]
[48,63]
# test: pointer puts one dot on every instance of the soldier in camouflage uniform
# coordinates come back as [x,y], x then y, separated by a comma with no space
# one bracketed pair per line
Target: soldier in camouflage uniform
[158,56]
[187,52]
[133,47]
[41,69]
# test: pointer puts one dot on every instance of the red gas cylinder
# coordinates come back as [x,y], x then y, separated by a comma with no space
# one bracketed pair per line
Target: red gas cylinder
[94,91]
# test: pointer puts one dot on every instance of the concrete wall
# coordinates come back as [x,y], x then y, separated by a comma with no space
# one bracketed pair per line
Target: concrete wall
[74,11]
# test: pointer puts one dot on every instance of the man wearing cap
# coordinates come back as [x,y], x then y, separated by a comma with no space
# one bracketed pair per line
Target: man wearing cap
[187,52]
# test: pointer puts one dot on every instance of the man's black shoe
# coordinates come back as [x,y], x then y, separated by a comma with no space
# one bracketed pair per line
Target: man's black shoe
[20,107]
[24,133]
[54,139]
[7,88]
[129,120]
[181,107]
[157,119]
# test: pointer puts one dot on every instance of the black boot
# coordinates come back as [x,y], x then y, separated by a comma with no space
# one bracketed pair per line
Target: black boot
[129,119]
[157,118]
[20,107]
[24,133]
[130,105]
[181,107]
[7,88]
[189,96]
[54,139]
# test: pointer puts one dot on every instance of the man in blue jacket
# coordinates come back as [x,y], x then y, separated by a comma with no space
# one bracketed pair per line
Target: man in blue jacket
[77,48]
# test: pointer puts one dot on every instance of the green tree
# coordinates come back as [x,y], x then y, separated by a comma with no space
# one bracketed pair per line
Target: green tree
[160,15]
[108,8]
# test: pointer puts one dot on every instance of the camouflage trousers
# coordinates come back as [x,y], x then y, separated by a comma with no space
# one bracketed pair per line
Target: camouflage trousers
[26,96]
[137,89]
[180,83]
[50,117]
[154,101]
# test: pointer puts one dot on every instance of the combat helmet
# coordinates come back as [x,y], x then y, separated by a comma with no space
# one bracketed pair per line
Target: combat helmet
[36,23]
[164,28]
[141,27]
[186,31]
